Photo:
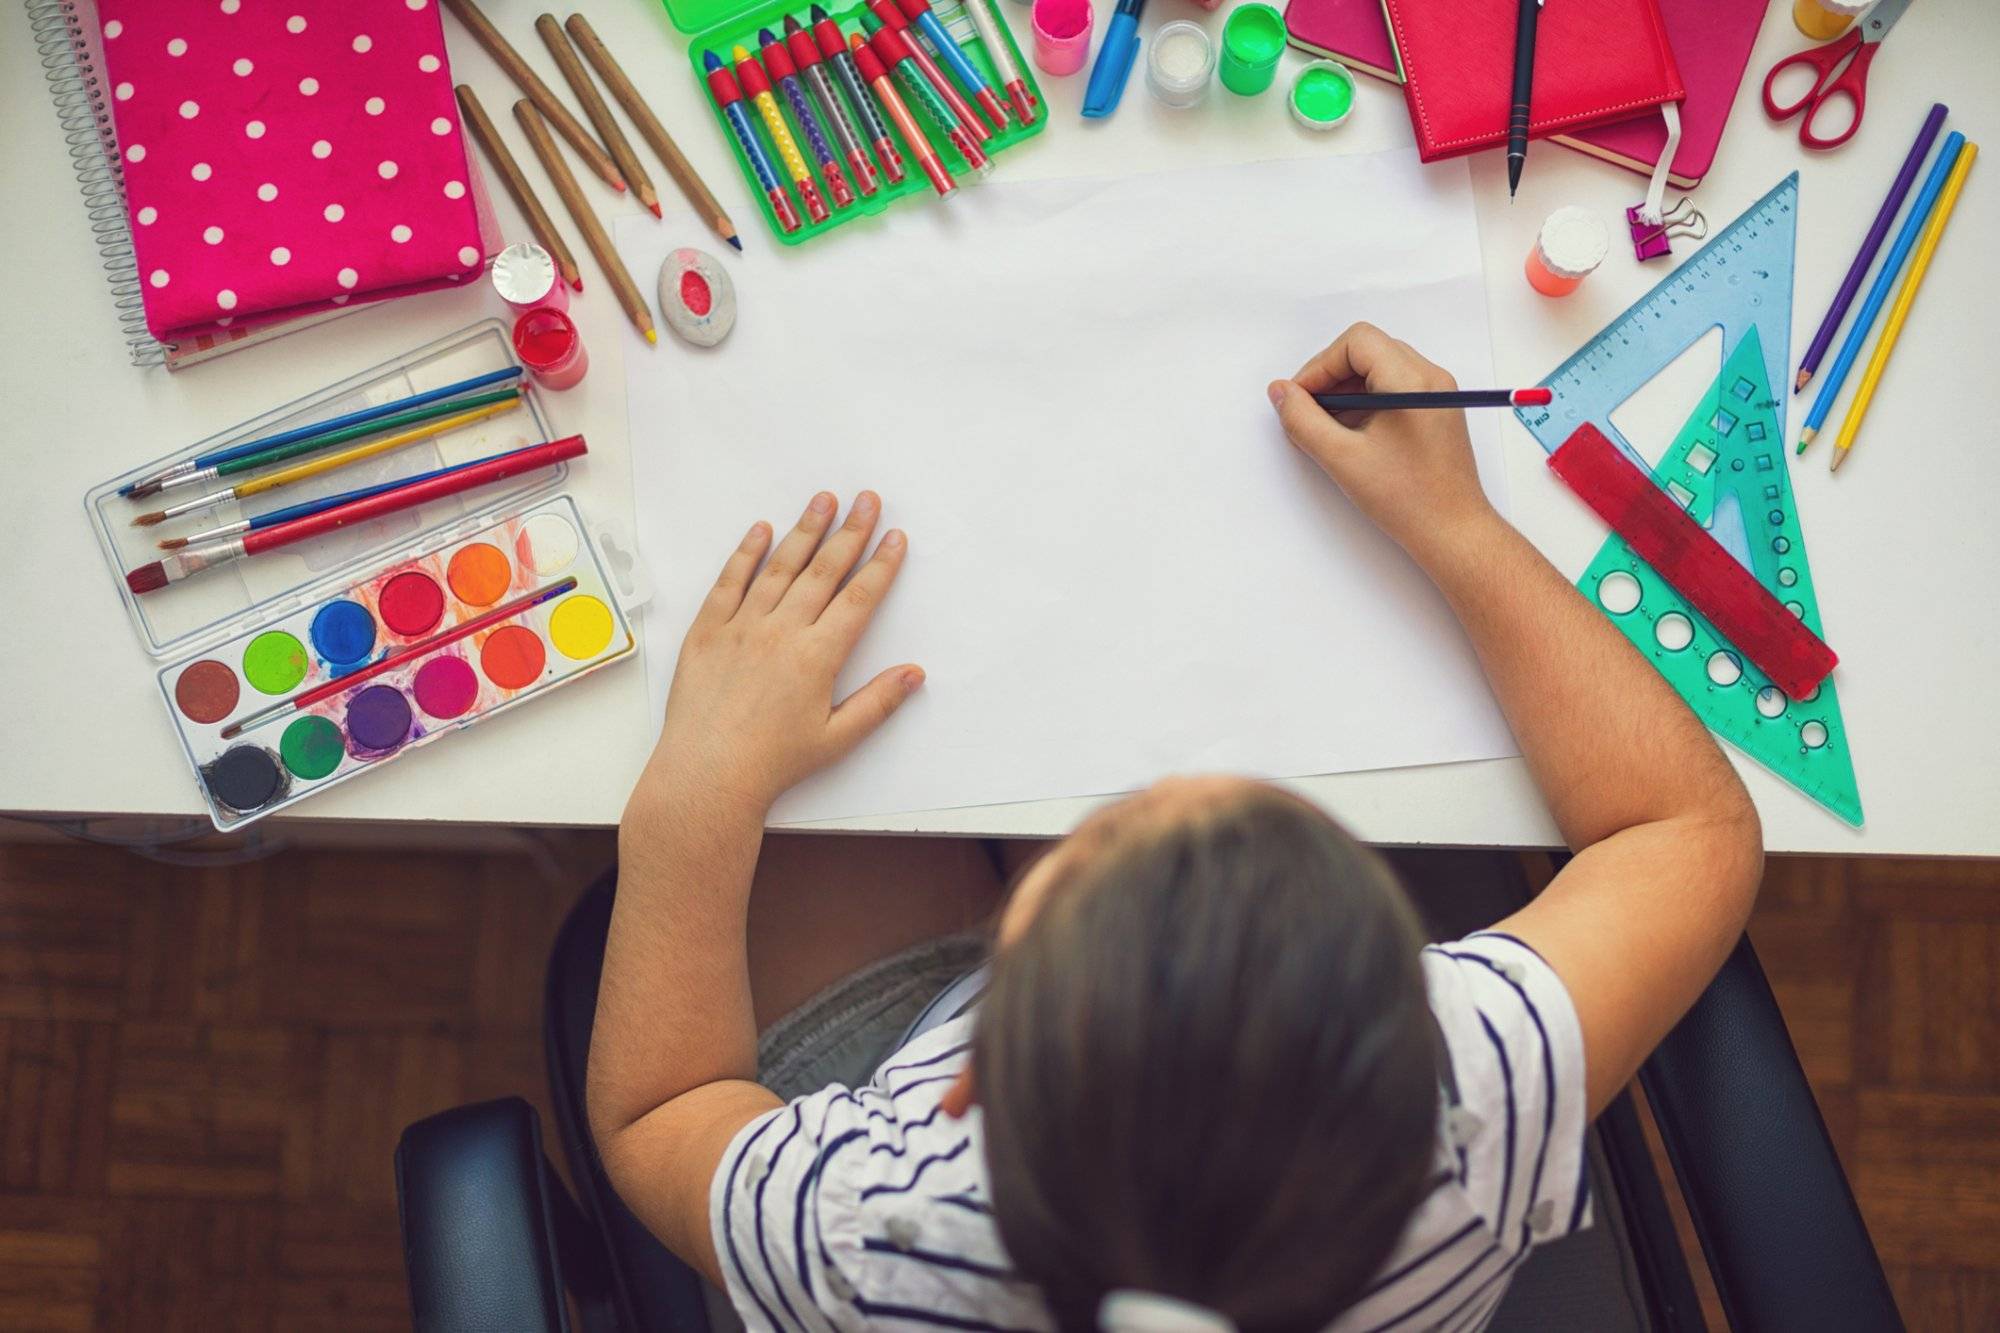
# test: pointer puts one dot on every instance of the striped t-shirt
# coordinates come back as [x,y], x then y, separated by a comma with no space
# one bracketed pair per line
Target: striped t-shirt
[854,1207]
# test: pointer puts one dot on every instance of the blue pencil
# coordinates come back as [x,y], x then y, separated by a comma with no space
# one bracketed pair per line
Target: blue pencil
[306,507]
[1913,224]
[147,485]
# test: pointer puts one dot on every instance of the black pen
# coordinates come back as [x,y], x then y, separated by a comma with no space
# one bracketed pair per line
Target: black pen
[1524,83]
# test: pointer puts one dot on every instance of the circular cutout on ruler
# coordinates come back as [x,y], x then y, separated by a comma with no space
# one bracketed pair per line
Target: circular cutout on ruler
[1724,667]
[546,545]
[343,632]
[274,662]
[479,574]
[1798,611]
[580,627]
[1809,695]
[1771,701]
[378,719]
[1673,631]
[311,747]
[512,657]
[1813,734]
[244,778]
[410,603]
[1618,592]
[207,691]
[1787,576]
[1781,544]
[445,686]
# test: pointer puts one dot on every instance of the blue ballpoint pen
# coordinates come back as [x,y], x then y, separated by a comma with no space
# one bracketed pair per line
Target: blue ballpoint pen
[1114,60]
[1864,319]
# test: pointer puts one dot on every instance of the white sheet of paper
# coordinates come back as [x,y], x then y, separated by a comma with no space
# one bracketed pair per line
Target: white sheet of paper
[1119,568]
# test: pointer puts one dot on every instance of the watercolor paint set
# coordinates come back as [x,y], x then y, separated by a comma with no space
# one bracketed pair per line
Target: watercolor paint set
[289,673]
[825,133]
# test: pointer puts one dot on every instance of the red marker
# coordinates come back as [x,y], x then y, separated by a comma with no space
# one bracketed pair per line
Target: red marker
[967,73]
[898,53]
[892,18]
[877,78]
[826,33]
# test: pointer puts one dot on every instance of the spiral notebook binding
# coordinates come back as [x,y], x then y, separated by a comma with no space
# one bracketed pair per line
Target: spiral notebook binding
[78,93]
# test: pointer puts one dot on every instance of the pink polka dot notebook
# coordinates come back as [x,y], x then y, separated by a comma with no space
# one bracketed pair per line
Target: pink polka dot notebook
[286,156]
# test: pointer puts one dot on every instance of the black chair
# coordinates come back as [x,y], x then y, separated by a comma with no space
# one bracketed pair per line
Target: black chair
[492,1239]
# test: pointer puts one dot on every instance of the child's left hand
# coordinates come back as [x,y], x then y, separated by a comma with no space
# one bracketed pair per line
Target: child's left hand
[751,710]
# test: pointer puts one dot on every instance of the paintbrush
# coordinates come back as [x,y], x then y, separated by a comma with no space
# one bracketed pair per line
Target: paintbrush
[193,559]
[147,485]
[341,684]
[305,507]
[312,467]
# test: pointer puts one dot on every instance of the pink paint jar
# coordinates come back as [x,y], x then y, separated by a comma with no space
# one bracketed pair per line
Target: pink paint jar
[548,344]
[1062,34]
[1572,243]
[525,276]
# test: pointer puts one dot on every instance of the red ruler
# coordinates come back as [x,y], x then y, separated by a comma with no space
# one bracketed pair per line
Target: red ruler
[1683,553]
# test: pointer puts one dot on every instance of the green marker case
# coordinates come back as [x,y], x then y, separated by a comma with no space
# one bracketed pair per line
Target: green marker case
[719,25]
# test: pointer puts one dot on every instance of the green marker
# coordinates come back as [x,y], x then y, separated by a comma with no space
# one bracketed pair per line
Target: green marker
[1323,95]
[1252,41]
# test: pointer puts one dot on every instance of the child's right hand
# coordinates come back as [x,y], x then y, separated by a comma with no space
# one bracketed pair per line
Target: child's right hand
[1410,471]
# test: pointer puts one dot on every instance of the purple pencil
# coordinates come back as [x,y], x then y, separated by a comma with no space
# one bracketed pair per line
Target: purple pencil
[1869,245]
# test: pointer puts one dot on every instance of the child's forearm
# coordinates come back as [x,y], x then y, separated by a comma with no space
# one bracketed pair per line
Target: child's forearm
[673,1008]
[1610,744]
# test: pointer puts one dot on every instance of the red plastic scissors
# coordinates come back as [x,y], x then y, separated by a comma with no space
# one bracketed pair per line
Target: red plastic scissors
[1852,82]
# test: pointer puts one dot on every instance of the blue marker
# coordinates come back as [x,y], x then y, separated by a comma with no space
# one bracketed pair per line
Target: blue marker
[1114,60]
[962,69]
[1913,224]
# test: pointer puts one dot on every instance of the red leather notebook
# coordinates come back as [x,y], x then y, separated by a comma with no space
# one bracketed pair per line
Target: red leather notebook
[1595,61]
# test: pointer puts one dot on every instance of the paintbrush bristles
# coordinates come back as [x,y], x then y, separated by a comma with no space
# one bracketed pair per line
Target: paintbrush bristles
[149,520]
[171,543]
[147,578]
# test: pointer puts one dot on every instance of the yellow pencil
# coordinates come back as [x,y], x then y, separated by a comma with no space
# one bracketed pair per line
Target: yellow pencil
[328,462]
[1905,298]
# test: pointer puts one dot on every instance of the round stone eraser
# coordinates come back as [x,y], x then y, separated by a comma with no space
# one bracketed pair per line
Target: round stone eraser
[697,299]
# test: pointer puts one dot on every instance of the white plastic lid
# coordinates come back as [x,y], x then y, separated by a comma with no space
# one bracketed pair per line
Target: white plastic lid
[523,274]
[1573,242]
[1180,62]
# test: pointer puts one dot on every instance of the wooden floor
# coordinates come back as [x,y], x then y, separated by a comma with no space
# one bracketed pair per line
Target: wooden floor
[203,1070]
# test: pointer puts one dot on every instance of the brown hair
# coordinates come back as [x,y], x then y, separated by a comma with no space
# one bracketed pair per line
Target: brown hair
[1208,1068]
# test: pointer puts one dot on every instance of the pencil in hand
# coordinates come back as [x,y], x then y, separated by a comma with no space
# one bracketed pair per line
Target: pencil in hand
[1378,402]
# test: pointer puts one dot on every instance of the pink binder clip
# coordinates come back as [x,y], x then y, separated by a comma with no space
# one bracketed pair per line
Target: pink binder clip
[1650,240]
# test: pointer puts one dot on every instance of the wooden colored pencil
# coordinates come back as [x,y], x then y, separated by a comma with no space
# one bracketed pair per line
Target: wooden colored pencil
[497,152]
[585,219]
[690,182]
[600,114]
[529,82]
[1905,298]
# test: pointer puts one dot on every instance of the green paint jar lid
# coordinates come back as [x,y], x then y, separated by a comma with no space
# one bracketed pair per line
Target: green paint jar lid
[1323,95]
[1252,40]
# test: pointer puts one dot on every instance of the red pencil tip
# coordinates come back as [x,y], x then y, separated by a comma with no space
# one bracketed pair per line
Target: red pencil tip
[1533,397]
[656,210]
[576,283]
[618,186]
[147,578]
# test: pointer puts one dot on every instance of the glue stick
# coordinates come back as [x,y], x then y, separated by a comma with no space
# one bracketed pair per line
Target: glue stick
[1821,19]
[1572,243]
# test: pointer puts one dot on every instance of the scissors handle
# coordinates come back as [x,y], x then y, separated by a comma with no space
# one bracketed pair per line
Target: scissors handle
[1853,83]
[1821,60]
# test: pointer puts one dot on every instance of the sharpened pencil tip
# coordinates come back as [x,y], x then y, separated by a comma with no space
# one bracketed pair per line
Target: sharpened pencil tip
[1806,437]
[1839,455]
[618,186]
[150,520]
[652,336]
[576,283]
[656,210]
[1805,378]
[734,240]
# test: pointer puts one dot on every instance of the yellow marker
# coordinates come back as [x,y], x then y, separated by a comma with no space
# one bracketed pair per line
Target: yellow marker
[757,88]
[1905,298]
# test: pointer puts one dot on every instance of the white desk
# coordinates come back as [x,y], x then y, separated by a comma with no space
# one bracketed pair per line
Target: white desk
[1905,550]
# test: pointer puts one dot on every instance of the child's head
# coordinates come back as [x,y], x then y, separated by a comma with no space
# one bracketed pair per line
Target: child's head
[1206,1061]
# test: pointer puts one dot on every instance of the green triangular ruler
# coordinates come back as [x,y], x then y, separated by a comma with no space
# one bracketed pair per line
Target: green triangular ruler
[1727,467]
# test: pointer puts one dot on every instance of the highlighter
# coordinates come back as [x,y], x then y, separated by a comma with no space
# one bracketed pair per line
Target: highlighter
[1114,60]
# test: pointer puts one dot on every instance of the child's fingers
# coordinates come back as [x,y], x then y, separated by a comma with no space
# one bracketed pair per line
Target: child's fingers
[792,554]
[815,588]
[848,614]
[1348,357]
[1310,428]
[861,712]
[727,594]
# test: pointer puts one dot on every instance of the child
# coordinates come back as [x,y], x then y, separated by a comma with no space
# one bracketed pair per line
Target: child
[1213,1079]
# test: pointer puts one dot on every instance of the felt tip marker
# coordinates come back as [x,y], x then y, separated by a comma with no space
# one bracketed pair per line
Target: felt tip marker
[991,27]
[729,98]
[757,88]
[898,53]
[778,61]
[1113,69]
[962,69]
[805,54]
[889,16]
[833,47]
[870,66]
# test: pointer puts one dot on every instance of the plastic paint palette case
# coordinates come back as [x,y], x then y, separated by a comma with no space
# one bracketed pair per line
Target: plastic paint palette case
[720,25]
[410,600]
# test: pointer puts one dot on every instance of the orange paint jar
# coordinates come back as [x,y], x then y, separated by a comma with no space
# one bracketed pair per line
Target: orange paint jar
[1570,246]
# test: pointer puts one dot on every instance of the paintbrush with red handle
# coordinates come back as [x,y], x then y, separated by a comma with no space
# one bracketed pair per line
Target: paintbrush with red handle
[194,559]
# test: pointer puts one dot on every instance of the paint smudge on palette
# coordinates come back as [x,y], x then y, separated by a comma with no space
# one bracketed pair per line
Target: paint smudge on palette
[395,706]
